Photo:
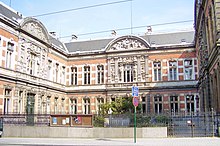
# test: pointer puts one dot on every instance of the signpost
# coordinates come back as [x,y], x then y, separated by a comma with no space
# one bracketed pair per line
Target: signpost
[135,102]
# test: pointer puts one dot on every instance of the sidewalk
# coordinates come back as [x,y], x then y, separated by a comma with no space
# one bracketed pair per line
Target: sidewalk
[112,142]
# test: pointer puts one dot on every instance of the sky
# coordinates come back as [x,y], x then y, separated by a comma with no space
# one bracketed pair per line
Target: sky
[117,16]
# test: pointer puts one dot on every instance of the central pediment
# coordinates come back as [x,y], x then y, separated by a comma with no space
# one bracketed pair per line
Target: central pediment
[127,43]
[35,28]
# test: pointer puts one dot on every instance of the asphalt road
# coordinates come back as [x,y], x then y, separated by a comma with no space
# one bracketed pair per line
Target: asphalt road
[111,142]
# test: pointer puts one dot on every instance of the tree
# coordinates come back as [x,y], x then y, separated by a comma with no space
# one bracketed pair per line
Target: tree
[121,105]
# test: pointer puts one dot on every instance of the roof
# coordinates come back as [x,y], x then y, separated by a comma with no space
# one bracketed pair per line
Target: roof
[12,15]
[165,39]
[170,38]
[56,43]
[90,45]
[9,12]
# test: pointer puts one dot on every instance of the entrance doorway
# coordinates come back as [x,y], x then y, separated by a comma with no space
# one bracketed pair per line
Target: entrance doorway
[30,109]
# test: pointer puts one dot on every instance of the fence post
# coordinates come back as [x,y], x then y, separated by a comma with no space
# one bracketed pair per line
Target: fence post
[213,124]
[192,124]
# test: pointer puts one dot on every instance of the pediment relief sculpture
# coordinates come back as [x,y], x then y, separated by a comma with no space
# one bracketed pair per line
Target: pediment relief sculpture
[35,28]
[127,43]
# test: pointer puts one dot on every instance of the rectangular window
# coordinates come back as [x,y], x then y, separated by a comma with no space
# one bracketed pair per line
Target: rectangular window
[188,69]
[63,74]
[144,104]
[56,105]
[10,49]
[6,101]
[157,71]
[86,106]
[190,104]
[20,102]
[174,104]
[49,70]
[100,101]
[100,71]
[31,64]
[172,70]
[40,105]
[74,76]
[56,72]
[128,73]
[86,75]
[158,104]
[48,105]
[63,106]
[73,106]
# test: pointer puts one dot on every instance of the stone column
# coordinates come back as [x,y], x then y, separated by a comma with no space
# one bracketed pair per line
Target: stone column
[116,69]
[146,68]
[139,68]
[109,69]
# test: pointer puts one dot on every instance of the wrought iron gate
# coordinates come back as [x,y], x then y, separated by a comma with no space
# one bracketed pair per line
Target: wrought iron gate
[192,125]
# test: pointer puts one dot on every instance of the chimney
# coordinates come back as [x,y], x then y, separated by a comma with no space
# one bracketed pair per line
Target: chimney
[53,33]
[149,29]
[114,33]
[73,37]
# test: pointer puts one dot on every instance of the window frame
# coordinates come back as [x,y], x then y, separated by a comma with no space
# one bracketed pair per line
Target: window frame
[157,71]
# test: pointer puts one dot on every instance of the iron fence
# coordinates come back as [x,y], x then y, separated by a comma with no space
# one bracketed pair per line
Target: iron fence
[26,119]
[182,124]
[178,124]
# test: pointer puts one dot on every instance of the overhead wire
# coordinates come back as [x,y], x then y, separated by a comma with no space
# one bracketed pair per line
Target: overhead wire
[80,8]
[127,28]
[105,31]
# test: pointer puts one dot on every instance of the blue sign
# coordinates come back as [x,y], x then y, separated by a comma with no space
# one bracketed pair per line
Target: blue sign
[135,91]
[54,120]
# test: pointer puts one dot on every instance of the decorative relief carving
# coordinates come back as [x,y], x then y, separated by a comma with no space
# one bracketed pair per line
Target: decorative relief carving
[36,30]
[122,64]
[126,44]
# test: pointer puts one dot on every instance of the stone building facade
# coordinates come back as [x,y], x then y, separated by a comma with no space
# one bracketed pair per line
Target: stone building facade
[41,75]
[207,47]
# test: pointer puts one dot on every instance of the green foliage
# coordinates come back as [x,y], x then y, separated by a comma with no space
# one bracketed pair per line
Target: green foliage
[162,119]
[104,108]
[98,121]
[123,105]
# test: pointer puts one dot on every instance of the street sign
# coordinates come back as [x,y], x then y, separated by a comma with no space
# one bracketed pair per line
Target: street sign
[135,101]
[135,91]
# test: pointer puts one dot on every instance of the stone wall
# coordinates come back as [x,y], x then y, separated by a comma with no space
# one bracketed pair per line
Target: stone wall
[70,132]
